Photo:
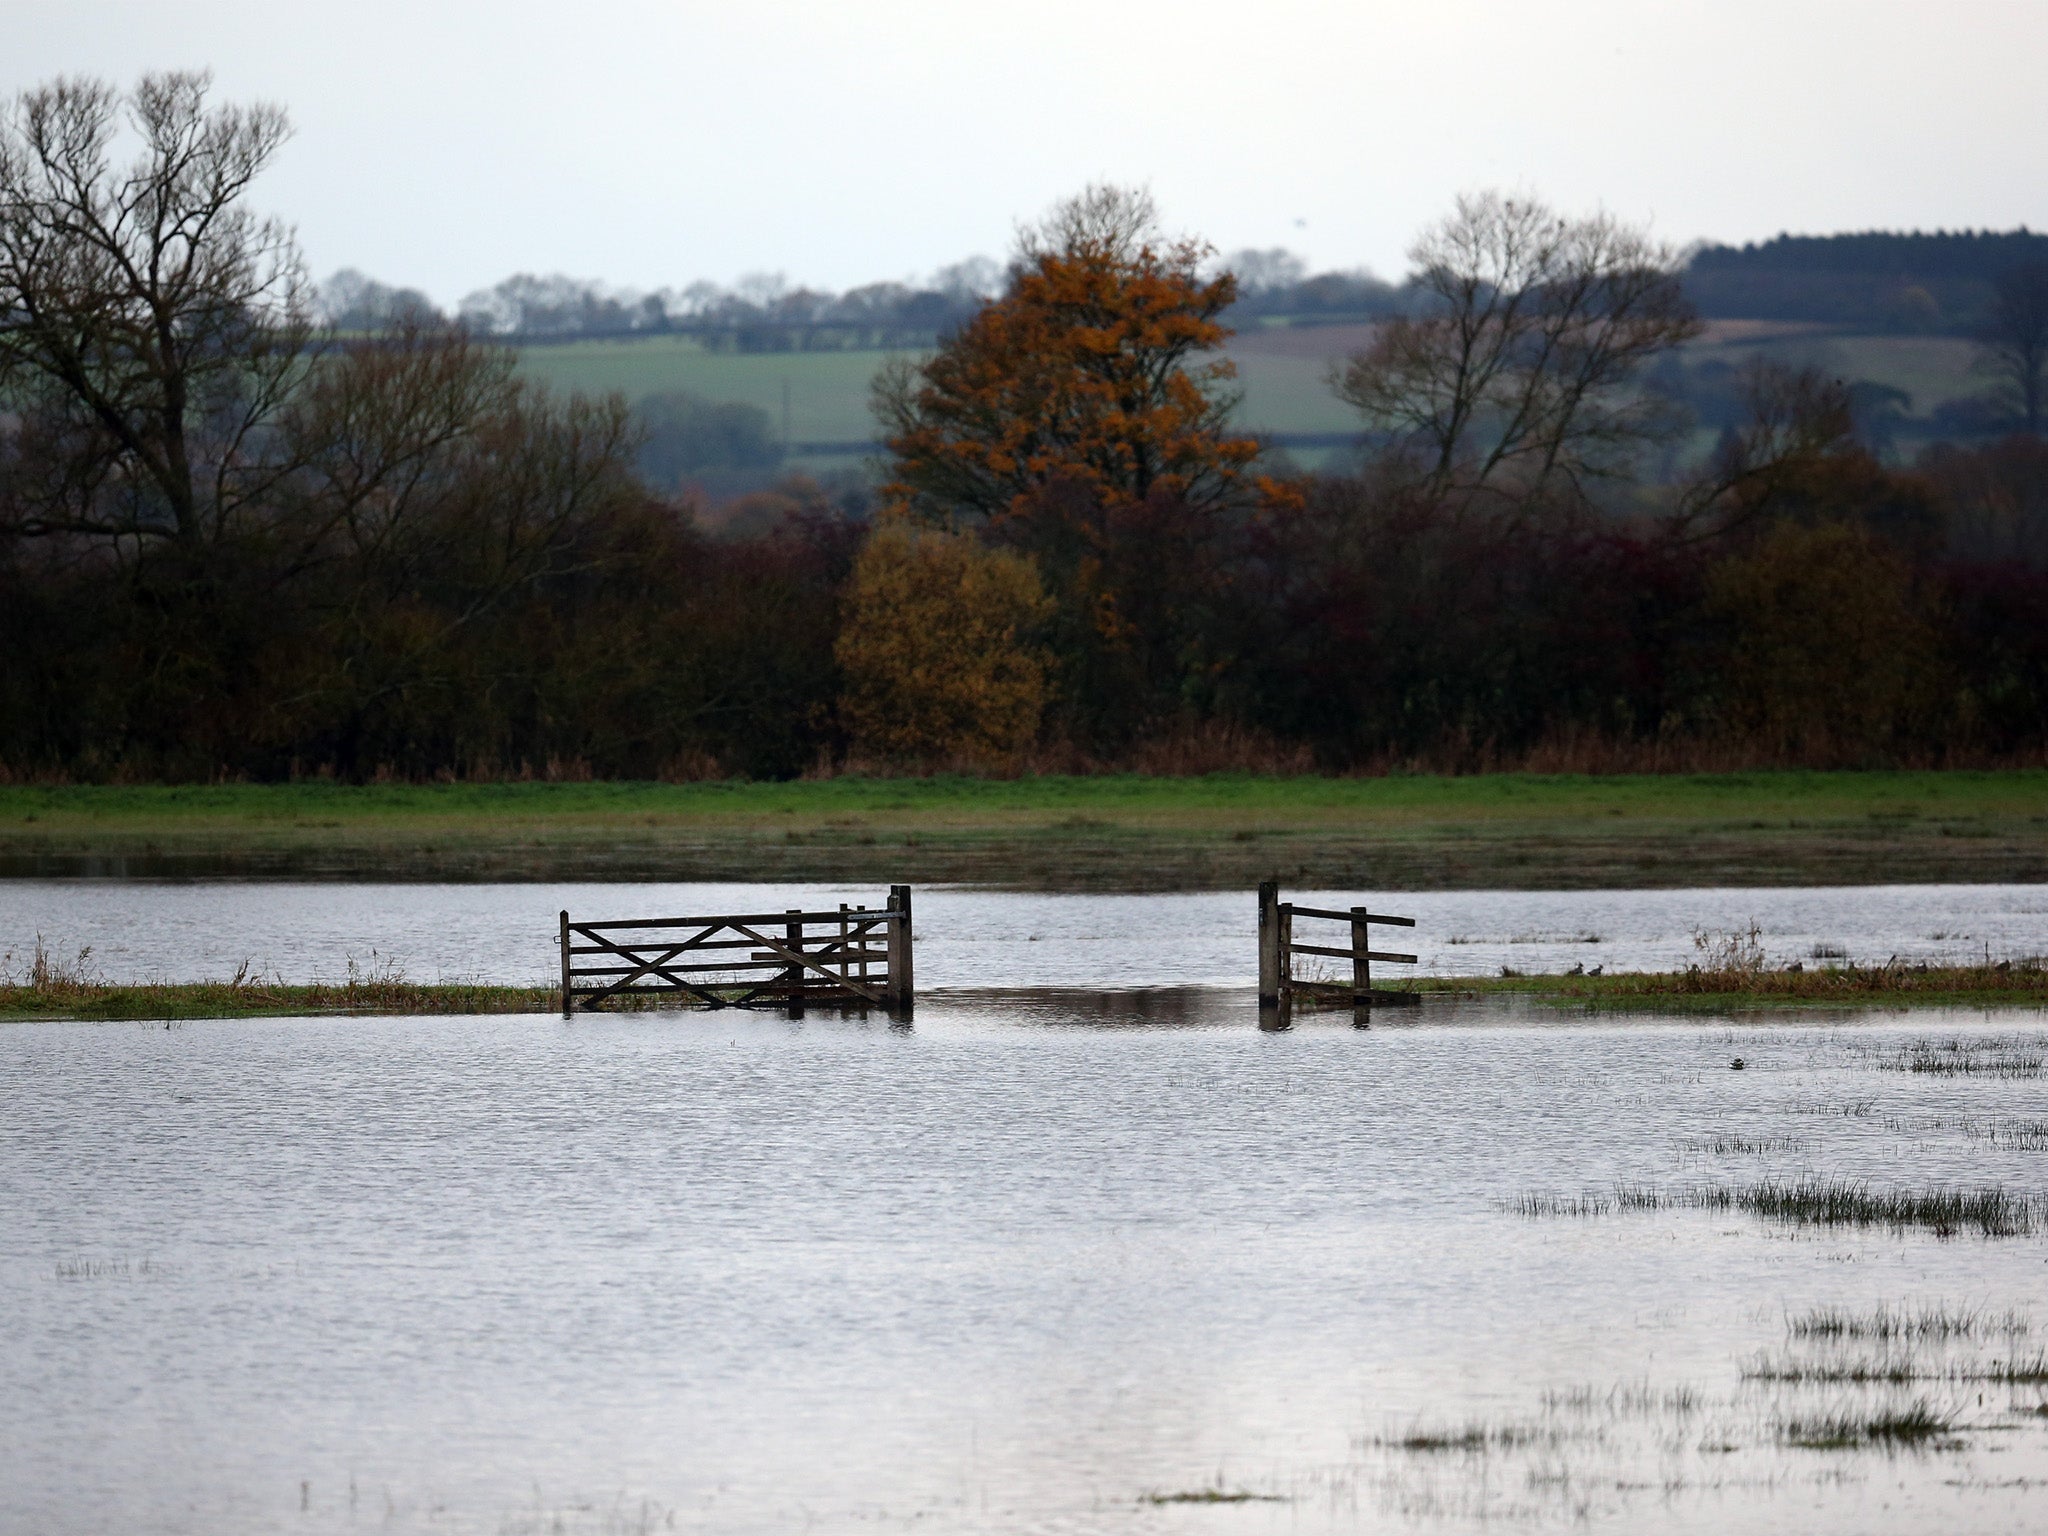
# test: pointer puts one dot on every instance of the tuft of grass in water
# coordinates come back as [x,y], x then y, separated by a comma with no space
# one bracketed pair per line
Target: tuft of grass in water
[1848,1109]
[1893,1369]
[1870,1370]
[1639,1399]
[1622,1197]
[1822,1202]
[49,973]
[1992,1212]
[1218,1495]
[1966,1056]
[1735,954]
[1559,1205]
[2019,1371]
[1471,1438]
[1742,1146]
[112,1269]
[1916,1423]
[1939,1322]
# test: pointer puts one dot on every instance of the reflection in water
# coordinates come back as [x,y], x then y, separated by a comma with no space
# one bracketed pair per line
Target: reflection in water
[1096,1008]
[1032,1263]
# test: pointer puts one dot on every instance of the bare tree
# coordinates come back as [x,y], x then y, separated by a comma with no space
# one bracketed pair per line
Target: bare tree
[2014,340]
[1794,420]
[1103,222]
[151,326]
[441,487]
[1520,373]
[351,301]
[1266,271]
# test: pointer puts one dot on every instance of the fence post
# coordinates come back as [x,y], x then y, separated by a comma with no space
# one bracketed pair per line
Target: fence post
[902,984]
[1361,970]
[565,965]
[1269,943]
[793,938]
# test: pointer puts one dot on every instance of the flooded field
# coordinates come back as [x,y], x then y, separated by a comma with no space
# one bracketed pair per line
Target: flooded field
[989,939]
[1083,1249]
[1063,1262]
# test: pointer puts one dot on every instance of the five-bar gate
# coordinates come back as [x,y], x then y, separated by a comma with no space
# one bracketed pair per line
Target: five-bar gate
[858,955]
[862,956]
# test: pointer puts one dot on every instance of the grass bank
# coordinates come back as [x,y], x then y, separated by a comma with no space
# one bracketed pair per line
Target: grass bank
[2006,983]
[1505,831]
[240,1000]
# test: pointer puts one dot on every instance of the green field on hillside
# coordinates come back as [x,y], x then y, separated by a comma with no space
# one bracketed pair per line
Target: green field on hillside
[1284,376]
[1118,832]
[828,391]
[1933,370]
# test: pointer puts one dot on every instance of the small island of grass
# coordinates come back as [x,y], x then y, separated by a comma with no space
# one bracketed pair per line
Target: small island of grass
[52,990]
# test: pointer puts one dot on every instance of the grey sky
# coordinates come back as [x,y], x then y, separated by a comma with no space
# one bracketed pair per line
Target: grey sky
[447,145]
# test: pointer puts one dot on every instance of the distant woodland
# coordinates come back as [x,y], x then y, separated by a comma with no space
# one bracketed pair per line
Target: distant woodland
[255,528]
[1913,284]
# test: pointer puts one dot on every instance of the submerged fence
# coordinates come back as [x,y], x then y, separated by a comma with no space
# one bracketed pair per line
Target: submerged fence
[856,955]
[1278,984]
[861,956]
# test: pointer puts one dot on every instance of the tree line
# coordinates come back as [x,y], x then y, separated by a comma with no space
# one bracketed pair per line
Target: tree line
[762,312]
[1943,282]
[238,542]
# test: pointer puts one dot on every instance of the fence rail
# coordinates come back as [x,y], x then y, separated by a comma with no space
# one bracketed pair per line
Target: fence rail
[858,955]
[1278,985]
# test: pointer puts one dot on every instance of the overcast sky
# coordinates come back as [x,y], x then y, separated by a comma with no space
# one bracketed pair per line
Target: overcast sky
[446,145]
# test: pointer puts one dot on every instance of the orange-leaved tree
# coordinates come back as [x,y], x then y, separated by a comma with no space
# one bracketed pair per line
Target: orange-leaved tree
[1083,417]
[1086,372]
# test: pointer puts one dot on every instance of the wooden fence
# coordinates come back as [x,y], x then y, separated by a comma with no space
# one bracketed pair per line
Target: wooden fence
[857,955]
[1278,984]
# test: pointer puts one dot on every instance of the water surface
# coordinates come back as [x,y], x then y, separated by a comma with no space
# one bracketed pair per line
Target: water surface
[1020,1267]
[1000,939]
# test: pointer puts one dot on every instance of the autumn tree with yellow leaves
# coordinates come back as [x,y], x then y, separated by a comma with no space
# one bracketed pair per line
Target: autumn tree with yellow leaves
[937,649]
[1831,655]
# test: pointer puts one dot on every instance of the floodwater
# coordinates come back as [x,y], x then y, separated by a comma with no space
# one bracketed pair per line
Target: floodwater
[1027,1266]
[1083,1249]
[988,939]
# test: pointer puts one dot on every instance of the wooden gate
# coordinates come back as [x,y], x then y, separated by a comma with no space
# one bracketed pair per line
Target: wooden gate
[857,955]
[1277,948]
